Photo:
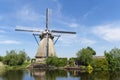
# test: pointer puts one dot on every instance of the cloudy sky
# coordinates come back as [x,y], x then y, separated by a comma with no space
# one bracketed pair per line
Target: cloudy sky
[97,23]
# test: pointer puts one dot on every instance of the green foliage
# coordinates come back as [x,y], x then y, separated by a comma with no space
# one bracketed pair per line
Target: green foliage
[113,58]
[58,62]
[13,59]
[1,58]
[85,56]
[89,67]
[28,59]
[92,51]
[25,64]
[82,67]
[21,57]
[71,61]
[33,60]
[100,64]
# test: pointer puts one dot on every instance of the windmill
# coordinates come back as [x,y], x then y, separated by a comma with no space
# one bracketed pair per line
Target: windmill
[46,45]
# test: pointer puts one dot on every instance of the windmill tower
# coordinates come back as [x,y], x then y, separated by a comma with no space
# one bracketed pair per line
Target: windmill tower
[46,45]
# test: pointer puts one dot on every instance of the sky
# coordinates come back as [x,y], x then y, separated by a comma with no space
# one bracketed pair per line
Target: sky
[97,23]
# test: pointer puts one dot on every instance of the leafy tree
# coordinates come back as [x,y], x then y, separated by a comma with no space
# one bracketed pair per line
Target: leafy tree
[10,58]
[92,51]
[113,58]
[21,57]
[13,58]
[85,56]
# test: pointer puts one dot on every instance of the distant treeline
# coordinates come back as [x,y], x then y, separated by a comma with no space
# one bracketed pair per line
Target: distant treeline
[85,57]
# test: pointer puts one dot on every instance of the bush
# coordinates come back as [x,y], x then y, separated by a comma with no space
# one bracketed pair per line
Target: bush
[58,62]
[71,61]
[83,67]
[89,69]
[100,64]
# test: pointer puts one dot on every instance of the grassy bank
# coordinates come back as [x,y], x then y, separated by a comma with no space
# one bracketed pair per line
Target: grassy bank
[19,67]
[2,68]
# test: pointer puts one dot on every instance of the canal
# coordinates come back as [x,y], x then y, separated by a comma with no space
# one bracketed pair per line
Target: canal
[58,75]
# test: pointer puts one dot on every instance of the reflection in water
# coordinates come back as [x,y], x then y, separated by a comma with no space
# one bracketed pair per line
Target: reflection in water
[48,74]
[38,74]
[12,75]
[100,75]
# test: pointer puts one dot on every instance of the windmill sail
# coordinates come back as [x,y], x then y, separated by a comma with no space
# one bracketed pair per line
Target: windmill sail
[47,36]
[28,30]
[64,32]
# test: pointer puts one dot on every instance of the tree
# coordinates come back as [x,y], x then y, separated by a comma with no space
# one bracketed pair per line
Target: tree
[92,51]
[10,58]
[113,58]
[21,57]
[85,56]
[13,58]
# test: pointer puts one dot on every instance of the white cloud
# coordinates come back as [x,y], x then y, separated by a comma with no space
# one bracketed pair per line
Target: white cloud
[59,8]
[6,29]
[63,19]
[86,41]
[73,25]
[68,40]
[108,32]
[68,23]
[27,13]
[89,12]
[9,42]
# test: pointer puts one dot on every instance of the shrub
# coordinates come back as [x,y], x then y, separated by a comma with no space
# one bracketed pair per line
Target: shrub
[58,62]
[100,64]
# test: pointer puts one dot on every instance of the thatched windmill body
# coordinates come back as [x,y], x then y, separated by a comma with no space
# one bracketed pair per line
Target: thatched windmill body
[46,45]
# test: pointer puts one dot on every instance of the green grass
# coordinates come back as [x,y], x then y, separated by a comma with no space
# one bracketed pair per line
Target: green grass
[18,67]
[2,68]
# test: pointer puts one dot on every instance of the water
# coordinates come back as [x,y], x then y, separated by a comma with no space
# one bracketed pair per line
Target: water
[58,75]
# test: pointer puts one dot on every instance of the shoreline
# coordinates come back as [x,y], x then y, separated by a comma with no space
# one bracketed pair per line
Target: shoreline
[45,67]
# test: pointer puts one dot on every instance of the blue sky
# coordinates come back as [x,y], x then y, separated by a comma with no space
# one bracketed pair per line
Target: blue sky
[97,23]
